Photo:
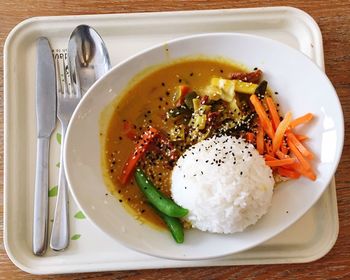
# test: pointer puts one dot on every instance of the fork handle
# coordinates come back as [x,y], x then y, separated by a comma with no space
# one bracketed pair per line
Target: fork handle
[60,228]
[41,198]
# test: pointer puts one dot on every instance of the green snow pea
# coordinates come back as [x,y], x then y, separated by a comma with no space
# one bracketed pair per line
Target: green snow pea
[156,198]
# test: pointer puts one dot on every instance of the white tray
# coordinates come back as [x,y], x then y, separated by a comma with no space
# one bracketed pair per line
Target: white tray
[307,240]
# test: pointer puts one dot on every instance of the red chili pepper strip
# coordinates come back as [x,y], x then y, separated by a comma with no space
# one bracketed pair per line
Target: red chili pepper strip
[139,151]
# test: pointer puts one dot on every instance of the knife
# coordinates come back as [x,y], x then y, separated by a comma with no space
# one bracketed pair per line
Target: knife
[46,122]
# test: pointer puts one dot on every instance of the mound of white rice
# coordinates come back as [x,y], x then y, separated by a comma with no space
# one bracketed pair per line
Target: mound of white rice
[224,183]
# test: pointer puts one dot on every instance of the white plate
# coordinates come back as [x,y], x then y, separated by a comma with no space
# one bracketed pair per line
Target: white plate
[289,72]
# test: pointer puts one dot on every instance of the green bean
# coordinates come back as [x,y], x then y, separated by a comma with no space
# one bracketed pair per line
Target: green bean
[156,198]
[174,225]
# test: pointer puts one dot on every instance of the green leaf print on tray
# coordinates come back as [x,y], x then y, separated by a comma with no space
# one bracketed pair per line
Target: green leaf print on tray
[58,137]
[79,215]
[76,236]
[53,191]
[58,164]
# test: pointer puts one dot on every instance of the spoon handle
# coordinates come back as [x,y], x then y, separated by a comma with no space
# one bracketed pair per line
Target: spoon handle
[60,228]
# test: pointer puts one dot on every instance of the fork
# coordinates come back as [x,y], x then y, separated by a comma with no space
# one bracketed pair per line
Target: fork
[67,101]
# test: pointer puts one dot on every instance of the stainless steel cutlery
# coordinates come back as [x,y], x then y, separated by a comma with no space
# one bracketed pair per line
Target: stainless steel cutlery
[64,80]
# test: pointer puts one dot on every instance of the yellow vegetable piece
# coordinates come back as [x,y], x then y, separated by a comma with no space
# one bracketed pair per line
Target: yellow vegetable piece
[199,121]
[213,92]
[227,88]
[196,104]
[177,133]
[244,87]
[234,107]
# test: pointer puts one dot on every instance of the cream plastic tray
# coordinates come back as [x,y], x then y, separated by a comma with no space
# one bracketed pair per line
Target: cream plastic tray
[125,34]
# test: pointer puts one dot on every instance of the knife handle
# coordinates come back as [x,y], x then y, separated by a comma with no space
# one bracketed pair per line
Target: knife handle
[41,197]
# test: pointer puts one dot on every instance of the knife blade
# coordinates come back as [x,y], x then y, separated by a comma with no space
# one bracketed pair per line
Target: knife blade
[46,122]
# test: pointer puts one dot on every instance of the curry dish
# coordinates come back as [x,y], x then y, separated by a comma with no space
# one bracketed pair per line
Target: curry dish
[147,103]
[163,115]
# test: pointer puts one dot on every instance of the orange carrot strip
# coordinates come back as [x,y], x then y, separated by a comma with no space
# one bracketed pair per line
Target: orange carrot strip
[268,157]
[288,173]
[299,168]
[303,162]
[311,175]
[284,148]
[265,121]
[301,137]
[184,90]
[303,119]
[280,162]
[281,129]
[275,118]
[281,155]
[260,140]
[269,148]
[302,149]
[250,137]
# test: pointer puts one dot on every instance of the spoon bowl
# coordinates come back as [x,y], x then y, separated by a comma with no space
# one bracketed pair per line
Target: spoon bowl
[88,57]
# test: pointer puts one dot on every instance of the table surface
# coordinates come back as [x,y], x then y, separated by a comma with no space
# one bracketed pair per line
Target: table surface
[333,18]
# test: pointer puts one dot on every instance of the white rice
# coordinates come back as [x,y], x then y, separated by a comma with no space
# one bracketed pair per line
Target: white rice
[224,183]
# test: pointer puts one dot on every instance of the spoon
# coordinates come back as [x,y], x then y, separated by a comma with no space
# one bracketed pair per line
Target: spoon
[88,60]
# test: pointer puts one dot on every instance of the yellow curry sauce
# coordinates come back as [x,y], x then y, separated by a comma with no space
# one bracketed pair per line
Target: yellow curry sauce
[146,103]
